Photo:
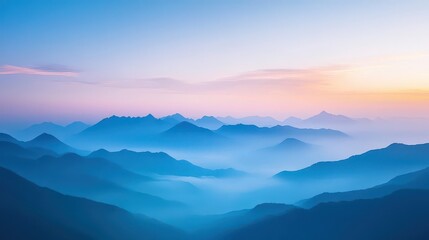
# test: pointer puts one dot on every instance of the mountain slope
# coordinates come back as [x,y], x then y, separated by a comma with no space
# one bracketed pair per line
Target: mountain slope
[121,130]
[176,118]
[186,134]
[50,142]
[209,122]
[28,211]
[7,138]
[413,180]
[325,118]
[365,170]
[401,215]
[94,178]
[217,226]
[9,149]
[290,145]
[158,163]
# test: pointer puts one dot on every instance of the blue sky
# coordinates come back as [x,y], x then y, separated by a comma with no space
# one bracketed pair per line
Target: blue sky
[118,42]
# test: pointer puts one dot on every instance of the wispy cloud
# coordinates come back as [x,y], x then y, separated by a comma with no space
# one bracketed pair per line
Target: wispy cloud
[265,78]
[48,70]
[286,77]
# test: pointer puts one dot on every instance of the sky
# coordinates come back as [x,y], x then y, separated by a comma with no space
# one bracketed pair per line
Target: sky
[65,60]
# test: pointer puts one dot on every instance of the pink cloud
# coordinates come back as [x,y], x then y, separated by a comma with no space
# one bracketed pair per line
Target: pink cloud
[43,71]
[267,78]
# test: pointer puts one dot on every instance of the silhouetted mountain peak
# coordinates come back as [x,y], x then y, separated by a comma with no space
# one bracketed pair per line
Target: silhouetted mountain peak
[209,122]
[326,117]
[395,145]
[45,138]
[50,142]
[209,118]
[186,127]
[100,151]
[326,114]
[150,116]
[292,142]
[178,116]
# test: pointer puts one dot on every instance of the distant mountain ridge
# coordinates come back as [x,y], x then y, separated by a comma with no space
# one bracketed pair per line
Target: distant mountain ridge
[326,120]
[251,120]
[147,131]
[365,170]
[242,132]
[42,141]
[159,163]
[208,122]
[62,132]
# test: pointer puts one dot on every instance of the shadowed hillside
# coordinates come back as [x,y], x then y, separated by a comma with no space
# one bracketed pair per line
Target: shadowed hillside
[402,215]
[31,212]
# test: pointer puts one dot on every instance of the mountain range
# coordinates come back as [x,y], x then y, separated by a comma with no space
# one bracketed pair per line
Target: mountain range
[93,178]
[159,163]
[401,215]
[98,180]
[251,133]
[175,131]
[43,141]
[62,132]
[208,122]
[32,212]
[365,170]
[413,180]
[321,120]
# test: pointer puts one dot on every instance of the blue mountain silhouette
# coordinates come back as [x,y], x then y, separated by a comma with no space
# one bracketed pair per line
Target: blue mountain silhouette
[413,180]
[159,163]
[401,215]
[365,170]
[28,211]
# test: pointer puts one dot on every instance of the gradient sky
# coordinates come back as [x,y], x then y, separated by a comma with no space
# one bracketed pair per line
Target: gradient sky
[64,60]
